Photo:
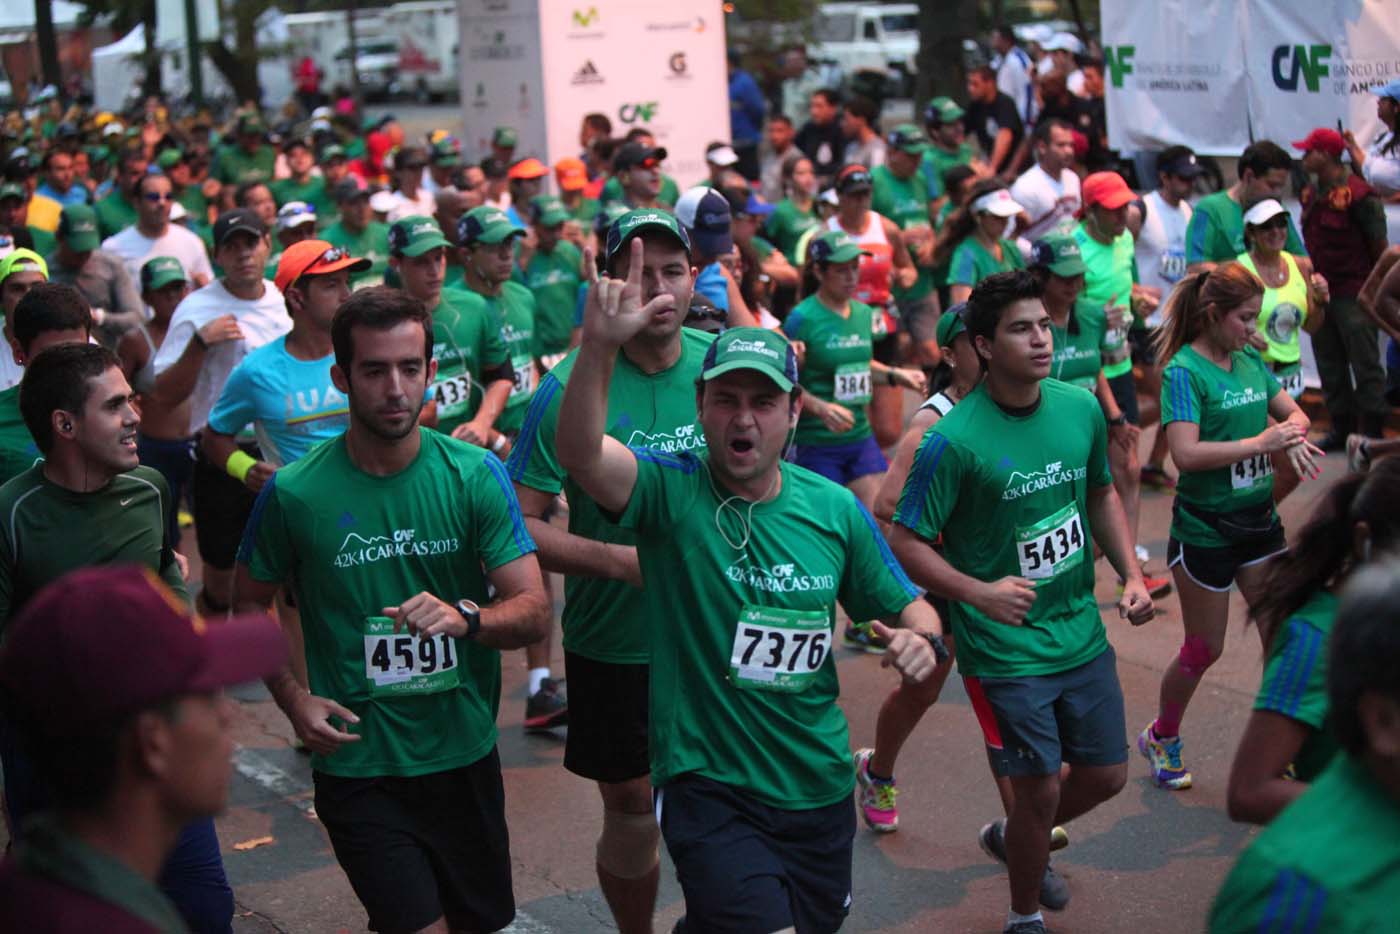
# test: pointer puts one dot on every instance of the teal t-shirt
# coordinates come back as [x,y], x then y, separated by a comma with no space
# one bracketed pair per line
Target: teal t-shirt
[1111,272]
[553,278]
[836,367]
[937,161]
[351,543]
[904,201]
[971,261]
[1010,496]
[1295,680]
[1215,232]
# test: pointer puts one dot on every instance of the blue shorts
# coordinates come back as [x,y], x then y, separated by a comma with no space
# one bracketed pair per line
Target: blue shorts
[842,463]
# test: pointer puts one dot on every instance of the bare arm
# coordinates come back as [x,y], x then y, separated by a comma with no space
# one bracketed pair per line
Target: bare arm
[175,383]
[1380,295]
[1257,789]
[1001,148]
[1192,454]
[783,273]
[887,500]
[1006,601]
[521,614]
[739,314]
[605,469]
[566,553]
[1109,525]
[959,292]
[905,272]
[218,448]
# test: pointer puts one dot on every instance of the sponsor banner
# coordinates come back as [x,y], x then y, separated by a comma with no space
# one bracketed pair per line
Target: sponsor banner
[500,75]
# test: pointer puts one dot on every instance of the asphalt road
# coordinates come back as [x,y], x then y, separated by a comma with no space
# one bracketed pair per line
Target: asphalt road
[1147,861]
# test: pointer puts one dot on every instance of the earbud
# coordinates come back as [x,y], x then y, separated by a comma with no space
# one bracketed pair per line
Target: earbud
[67,426]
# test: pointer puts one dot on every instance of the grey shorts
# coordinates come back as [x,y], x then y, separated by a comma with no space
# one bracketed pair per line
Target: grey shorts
[1033,724]
[920,317]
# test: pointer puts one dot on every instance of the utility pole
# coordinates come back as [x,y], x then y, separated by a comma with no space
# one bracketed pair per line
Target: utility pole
[196,69]
[48,43]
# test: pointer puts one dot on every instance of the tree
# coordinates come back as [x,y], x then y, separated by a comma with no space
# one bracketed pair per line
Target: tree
[943,25]
[239,65]
[48,42]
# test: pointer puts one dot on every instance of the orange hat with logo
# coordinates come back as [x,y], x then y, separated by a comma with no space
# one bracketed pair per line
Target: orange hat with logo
[526,169]
[571,174]
[314,258]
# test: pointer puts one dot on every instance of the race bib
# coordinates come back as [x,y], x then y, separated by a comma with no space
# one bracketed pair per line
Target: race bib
[524,383]
[1051,546]
[453,395]
[879,327]
[398,664]
[1250,472]
[1172,265]
[1291,379]
[779,650]
[853,383]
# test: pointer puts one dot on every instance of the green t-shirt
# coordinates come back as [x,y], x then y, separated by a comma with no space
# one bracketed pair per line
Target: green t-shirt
[971,262]
[466,340]
[372,243]
[554,278]
[670,192]
[904,201]
[1228,405]
[785,228]
[607,620]
[1076,359]
[44,241]
[1328,864]
[351,543]
[1295,680]
[761,247]
[836,368]
[195,204]
[1009,493]
[18,452]
[586,210]
[114,214]
[313,192]
[233,165]
[743,685]
[937,161]
[1215,233]
[1110,274]
[49,531]
[514,314]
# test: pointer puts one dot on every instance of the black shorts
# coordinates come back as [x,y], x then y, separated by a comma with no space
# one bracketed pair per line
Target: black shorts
[221,509]
[607,739]
[1034,723]
[1215,568]
[422,848]
[746,866]
[1144,343]
[1125,393]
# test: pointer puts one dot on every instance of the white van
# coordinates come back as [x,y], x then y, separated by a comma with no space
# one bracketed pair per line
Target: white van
[878,37]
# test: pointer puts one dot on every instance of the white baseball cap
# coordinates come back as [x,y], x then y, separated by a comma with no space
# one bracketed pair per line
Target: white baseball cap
[294,214]
[723,155]
[1262,211]
[1063,42]
[997,202]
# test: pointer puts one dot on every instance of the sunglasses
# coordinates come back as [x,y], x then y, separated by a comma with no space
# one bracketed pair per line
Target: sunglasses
[156,197]
[649,164]
[296,211]
[334,255]
[1277,223]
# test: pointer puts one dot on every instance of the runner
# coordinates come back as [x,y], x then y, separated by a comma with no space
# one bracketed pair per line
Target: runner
[90,503]
[1049,190]
[1215,233]
[552,275]
[749,751]
[20,271]
[1021,461]
[296,221]
[152,234]
[637,179]
[1217,396]
[885,265]
[302,183]
[976,234]
[948,146]
[901,194]
[1287,742]
[389,537]
[358,233]
[1326,864]
[796,213]
[606,615]
[212,330]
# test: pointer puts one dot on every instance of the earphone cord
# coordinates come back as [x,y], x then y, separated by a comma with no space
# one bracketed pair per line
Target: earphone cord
[745,518]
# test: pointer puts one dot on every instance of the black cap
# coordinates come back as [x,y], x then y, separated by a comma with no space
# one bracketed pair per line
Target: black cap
[292,142]
[348,189]
[634,154]
[494,168]
[239,219]
[1179,161]
[410,157]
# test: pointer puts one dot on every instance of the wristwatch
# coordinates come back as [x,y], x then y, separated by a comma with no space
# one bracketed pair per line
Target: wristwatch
[1120,420]
[940,648]
[472,614]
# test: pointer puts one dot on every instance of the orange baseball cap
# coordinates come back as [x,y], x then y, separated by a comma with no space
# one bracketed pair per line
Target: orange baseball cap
[571,173]
[1106,188]
[528,168]
[314,258]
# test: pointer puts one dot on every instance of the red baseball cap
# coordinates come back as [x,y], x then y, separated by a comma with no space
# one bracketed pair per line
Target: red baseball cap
[102,643]
[314,258]
[571,173]
[528,168]
[1329,141]
[1107,189]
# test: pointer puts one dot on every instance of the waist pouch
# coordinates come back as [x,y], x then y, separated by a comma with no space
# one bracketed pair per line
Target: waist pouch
[1250,526]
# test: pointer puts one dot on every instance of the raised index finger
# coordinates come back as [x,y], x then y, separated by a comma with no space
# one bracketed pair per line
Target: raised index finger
[590,263]
[634,269]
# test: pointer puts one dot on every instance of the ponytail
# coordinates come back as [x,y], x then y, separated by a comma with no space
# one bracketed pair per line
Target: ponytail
[1197,301]
[962,221]
[810,283]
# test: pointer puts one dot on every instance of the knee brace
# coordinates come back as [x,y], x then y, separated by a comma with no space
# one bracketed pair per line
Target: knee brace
[628,847]
[1195,656]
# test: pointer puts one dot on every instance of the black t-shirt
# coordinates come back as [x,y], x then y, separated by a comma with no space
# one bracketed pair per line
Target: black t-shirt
[824,145]
[985,120]
[1085,115]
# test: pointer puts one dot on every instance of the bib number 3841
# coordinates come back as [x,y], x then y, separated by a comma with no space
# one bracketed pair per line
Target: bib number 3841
[1051,546]
[779,650]
[853,383]
[1255,469]
[398,664]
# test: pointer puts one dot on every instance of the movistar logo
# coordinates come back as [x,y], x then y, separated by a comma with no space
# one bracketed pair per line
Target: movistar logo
[1052,475]
[1309,61]
[585,18]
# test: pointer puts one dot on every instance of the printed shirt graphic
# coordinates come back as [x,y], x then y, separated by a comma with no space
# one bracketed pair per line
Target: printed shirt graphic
[1215,233]
[514,314]
[466,340]
[1282,313]
[837,348]
[971,263]
[811,546]
[1076,358]
[1228,405]
[1002,489]
[292,403]
[553,278]
[1326,865]
[904,201]
[1295,680]
[608,620]
[351,544]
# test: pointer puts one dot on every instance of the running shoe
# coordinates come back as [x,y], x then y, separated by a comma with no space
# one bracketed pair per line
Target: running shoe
[1154,477]
[1358,457]
[876,798]
[1054,891]
[861,638]
[547,708]
[1026,927]
[1164,759]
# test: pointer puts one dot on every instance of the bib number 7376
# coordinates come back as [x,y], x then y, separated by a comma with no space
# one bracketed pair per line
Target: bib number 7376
[777,649]
[1051,546]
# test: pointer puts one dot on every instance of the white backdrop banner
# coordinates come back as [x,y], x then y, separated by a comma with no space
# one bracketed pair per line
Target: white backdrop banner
[499,55]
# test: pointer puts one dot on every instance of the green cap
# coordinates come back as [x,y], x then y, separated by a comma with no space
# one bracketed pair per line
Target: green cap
[834,246]
[505,137]
[22,260]
[414,236]
[333,151]
[160,271]
[1060,254]
[760,349]
[169,158]
[950,324]
[77,228]
[907,138]
[641,220]
[251,123]
[943,110]
[486,224]
[13,190]
[446,152]
[547,210]
[98,153]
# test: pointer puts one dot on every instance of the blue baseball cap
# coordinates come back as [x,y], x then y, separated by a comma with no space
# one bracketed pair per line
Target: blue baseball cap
[1390,89]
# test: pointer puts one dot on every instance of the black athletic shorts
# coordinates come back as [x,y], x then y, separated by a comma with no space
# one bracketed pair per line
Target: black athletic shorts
[607,739]
[1125,393]
[221,509]
[1215,568]
[746,866]
[422,848]
[1144,343]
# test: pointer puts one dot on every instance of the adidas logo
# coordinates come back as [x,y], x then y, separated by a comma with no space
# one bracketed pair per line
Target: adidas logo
[587,74]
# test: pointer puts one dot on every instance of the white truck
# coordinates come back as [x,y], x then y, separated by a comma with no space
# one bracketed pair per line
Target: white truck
[427,35]
[869,37]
